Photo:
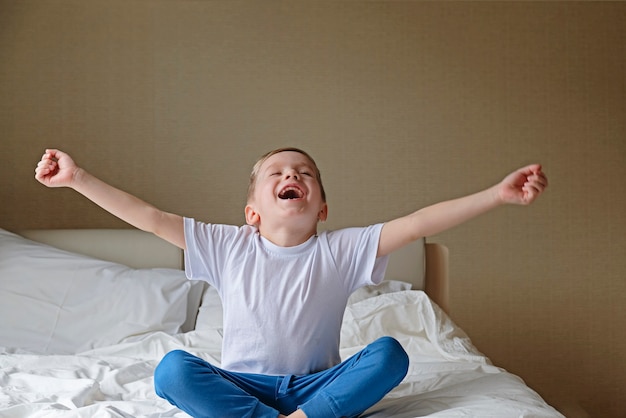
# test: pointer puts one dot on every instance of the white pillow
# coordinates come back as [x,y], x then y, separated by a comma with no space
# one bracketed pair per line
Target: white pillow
[54,301]
[210,314]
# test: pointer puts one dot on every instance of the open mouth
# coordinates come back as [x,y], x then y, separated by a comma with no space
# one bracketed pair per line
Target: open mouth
[290,192]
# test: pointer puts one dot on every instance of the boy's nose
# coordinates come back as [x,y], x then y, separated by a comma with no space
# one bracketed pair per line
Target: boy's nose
[291,174]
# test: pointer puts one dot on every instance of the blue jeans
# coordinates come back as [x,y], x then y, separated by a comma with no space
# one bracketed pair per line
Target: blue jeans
[346,390]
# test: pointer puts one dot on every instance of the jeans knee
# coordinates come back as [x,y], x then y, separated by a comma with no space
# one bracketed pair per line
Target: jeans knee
[395,358]
[170,371]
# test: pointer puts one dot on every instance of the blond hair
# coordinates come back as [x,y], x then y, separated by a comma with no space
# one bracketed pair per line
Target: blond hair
[259,163]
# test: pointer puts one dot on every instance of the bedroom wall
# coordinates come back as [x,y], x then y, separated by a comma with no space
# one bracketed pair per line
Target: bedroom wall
[403,104]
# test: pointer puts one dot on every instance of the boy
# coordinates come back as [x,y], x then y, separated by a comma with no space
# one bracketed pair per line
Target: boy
[284,287]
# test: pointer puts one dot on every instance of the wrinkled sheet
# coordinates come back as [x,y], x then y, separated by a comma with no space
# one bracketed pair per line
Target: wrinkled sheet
[448,377]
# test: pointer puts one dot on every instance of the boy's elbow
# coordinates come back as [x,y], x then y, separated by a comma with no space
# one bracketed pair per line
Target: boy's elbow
[398,233]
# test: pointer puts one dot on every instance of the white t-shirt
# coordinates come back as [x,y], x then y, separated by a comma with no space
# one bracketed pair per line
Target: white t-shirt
[283,306]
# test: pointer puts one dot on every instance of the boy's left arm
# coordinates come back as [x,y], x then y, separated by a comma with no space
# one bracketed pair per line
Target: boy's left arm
[521,187]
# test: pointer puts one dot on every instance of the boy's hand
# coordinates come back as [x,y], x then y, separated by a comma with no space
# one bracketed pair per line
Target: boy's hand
[56,169]
[523,186]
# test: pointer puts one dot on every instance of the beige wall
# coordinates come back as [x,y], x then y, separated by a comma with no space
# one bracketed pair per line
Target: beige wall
[402,104]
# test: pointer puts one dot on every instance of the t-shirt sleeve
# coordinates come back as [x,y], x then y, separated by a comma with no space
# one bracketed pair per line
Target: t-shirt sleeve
[354,251]
[207,249]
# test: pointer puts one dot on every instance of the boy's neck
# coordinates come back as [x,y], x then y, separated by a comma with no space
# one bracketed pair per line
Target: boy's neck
[287,238]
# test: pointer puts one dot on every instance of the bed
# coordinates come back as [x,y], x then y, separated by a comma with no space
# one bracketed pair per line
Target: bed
[88,314]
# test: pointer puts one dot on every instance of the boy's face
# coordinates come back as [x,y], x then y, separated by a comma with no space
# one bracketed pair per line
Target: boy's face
[286,190]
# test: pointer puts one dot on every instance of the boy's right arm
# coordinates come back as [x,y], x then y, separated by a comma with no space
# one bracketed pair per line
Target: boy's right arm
[57,169]
[521,187]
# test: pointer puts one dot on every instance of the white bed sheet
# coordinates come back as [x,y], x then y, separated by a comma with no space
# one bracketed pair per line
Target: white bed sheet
[448,377]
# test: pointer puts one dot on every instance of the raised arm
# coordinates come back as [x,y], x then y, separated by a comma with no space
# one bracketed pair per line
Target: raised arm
[57,169]
[521,187]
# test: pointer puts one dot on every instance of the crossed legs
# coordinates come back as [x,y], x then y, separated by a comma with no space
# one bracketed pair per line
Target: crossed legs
[346,390]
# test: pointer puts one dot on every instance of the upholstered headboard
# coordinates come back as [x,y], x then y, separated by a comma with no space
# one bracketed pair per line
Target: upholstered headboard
[423,265]
[130,247]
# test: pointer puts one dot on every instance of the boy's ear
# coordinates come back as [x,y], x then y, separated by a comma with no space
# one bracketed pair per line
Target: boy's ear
[252,216]
[323,215]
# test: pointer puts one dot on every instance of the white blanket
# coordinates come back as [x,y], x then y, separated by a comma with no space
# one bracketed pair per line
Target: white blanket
[448,377]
